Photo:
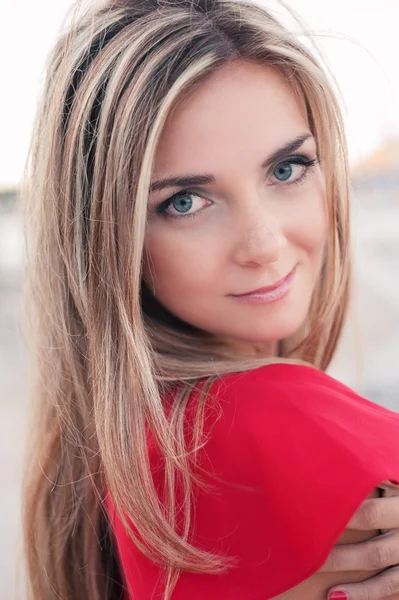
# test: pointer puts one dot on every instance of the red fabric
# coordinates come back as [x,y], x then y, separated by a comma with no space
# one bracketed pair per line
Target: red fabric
[313,450]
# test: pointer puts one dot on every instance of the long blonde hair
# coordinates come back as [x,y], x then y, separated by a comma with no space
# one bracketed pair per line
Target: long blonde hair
[104,353]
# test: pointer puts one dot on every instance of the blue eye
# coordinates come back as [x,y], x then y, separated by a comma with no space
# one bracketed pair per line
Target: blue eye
[283,171]
[293,170]
[182,204]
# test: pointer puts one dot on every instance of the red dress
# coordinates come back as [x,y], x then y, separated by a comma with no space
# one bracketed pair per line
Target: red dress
[287,432]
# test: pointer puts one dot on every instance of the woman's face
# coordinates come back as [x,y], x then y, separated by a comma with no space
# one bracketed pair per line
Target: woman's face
[247,218]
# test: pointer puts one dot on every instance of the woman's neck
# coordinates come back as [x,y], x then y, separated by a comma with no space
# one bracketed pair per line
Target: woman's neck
[254,350]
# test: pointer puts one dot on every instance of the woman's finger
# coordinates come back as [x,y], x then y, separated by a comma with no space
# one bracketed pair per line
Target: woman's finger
[376,513]
[384,586]
[379,552]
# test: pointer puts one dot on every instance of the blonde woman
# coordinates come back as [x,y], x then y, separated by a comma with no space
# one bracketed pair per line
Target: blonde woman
[187,228]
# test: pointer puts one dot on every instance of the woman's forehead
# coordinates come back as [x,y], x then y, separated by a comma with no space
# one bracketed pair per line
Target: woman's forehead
[246,110]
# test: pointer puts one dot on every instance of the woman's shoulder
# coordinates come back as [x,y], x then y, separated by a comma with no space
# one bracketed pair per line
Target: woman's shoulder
[294,418]
[288,441]
[277,379]
[296,388]
[281,376]
[289,458]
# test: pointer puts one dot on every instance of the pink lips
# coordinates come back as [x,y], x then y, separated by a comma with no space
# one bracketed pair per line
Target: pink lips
[270,293]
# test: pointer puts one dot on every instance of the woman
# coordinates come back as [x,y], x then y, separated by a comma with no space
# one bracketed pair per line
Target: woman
[187,217]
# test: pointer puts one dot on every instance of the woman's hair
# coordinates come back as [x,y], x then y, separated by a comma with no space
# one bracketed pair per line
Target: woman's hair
[104,352]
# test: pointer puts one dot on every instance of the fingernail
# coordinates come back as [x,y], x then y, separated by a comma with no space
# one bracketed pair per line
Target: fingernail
[338,596]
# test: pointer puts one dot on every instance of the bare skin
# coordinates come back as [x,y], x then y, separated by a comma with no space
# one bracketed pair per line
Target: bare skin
[252,225]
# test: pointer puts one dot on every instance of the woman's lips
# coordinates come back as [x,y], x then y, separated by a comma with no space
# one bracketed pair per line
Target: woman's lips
[270,293]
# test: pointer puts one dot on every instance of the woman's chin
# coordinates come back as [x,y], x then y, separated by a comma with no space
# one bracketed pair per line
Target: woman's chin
[266,335]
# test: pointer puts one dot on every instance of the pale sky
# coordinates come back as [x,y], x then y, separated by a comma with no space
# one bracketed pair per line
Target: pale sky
[359,40]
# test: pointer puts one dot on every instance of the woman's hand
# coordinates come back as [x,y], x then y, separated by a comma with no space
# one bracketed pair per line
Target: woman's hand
[380,553]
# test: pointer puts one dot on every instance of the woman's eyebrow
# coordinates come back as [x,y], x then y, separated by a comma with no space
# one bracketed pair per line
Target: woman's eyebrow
[190,180]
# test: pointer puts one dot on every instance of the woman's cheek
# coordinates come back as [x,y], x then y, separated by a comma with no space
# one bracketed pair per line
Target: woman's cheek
[177,262]
[312,219]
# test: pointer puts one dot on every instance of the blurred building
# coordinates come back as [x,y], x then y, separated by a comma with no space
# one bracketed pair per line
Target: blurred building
[378,174]
[13,387]
[11,245]
[371,338]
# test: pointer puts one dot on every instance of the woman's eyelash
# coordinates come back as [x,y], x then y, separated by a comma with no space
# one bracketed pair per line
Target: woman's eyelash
[302,160]
[161,208]
[299,159]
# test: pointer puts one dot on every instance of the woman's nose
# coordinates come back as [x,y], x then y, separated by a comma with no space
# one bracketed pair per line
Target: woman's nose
[260,240]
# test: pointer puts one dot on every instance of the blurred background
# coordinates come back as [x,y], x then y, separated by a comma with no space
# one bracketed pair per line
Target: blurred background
[359,42]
